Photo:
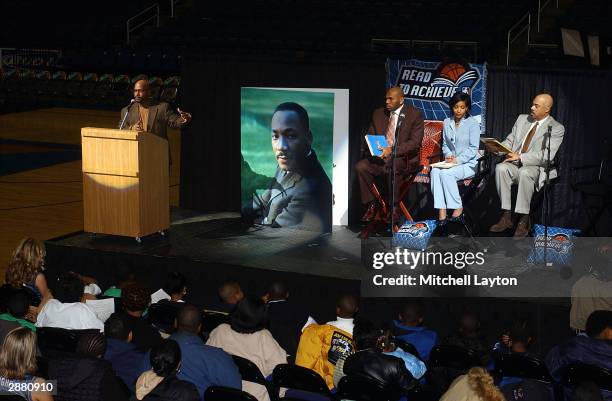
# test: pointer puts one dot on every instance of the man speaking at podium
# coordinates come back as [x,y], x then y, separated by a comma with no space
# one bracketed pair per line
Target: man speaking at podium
[145,114]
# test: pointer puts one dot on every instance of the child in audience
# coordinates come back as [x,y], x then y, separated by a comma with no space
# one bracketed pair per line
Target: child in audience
[136,297]
[410,328]
[18,366]
[26,270]
[17,306]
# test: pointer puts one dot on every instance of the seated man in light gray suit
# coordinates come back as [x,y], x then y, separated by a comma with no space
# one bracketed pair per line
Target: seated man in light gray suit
[300,194]
[525,166]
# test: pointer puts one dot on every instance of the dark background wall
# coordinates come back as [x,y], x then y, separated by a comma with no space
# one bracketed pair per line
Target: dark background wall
[210,178]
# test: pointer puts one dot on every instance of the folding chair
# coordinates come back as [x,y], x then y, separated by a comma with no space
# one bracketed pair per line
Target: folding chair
[429,153]
[523,366]
[577,373]
[359,388]
[294,377]
[251,373]
[220,393]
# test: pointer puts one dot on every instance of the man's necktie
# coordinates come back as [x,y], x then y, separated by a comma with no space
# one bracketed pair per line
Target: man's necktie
[390,135]
[529,137]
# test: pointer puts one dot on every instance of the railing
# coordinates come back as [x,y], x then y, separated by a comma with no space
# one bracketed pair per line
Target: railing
[147,15]
[511,38]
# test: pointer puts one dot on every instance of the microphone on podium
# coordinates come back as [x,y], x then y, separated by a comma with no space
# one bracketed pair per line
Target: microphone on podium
[126,113]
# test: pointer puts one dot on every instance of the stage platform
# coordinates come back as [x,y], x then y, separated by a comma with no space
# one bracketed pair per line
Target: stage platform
[211,248]
[222,238]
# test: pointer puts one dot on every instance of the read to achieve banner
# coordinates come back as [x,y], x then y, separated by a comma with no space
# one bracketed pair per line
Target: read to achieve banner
[428,86]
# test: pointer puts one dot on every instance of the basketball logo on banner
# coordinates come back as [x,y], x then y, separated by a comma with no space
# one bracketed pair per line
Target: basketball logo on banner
[428,86]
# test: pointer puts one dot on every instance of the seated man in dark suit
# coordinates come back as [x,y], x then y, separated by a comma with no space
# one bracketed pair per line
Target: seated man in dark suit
[300,195]
[409,138]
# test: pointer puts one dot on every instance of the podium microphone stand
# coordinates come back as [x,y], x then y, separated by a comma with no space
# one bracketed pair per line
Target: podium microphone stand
[545,208]
[400,119]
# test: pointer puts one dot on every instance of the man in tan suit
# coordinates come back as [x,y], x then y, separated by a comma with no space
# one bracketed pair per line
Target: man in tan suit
[151,116]
[525,166]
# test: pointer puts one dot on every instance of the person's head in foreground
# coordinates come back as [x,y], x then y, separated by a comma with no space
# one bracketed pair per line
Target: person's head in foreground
[249,316]
[18,354]
[599,325]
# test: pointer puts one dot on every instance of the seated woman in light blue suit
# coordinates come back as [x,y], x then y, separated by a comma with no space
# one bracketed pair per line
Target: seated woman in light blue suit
[461,137]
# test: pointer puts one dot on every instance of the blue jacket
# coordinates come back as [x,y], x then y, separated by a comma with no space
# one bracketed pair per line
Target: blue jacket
[126,360]
[579,349]
[462,142]
[204,365]
[590,351]
[422,339]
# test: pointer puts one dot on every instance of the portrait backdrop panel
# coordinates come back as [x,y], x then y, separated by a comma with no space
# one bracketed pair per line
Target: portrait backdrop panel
[328,120]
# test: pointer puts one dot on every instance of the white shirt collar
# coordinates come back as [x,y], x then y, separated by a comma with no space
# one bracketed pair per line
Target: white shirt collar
[541,122]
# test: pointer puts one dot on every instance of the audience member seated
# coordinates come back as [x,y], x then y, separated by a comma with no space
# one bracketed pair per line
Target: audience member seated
[85,375]
[410,328]
[286,317]
[174,289]
[17,306]
[18,366]
[384,343]
[518,340]
[593,349]
[68,310]
[592,291]
[166,302]
[322,345]
[469,336]
[230,293]
[369,361]
[476,385]
[26,269]
[135,298]
[160,383]
[124,276]
[201,364]
[346,309]
[415,366]
[123,355]
[247,337]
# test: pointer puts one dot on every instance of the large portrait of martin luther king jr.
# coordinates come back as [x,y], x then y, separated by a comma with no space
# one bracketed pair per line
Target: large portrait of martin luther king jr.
[300,193]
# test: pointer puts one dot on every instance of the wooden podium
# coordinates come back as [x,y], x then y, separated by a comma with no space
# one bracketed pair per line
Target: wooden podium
[125,182]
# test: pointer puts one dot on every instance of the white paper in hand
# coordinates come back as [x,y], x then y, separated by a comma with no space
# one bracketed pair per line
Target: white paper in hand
[103,308]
